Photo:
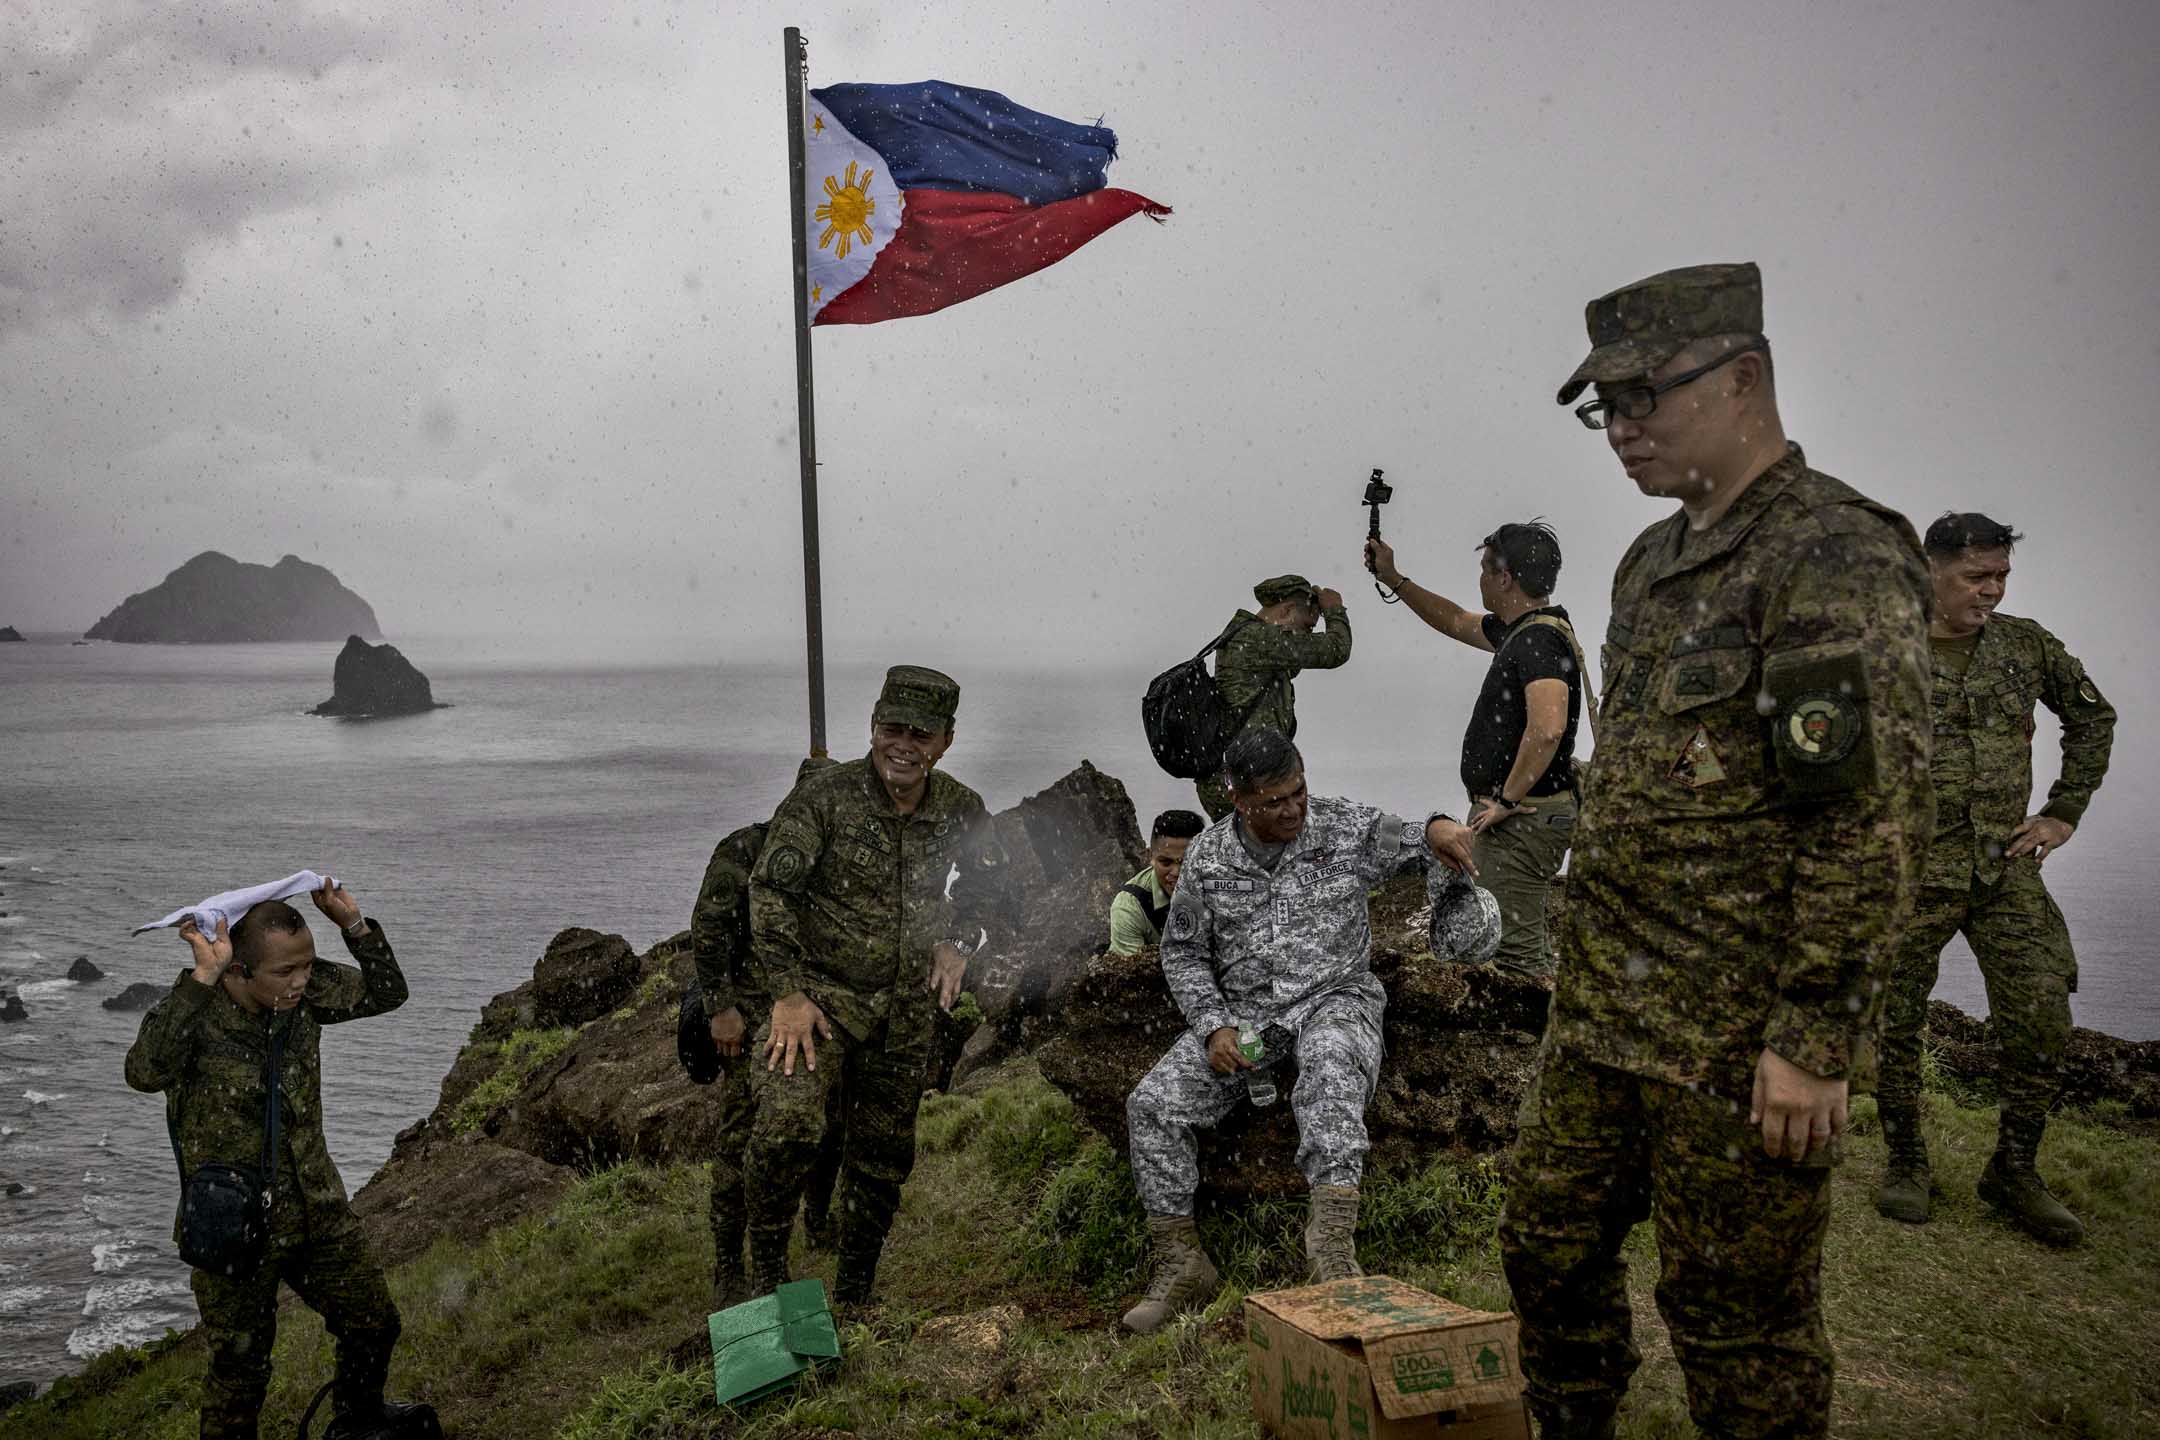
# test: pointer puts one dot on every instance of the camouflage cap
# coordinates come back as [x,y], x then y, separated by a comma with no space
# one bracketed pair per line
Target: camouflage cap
[1286,587]
[1639,327]
[918,696]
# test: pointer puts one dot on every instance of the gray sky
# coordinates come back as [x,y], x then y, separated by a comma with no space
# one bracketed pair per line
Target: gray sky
[485,306]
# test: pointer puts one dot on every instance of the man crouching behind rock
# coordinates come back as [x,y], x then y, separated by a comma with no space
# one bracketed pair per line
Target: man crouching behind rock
[1270,932]
[255,993]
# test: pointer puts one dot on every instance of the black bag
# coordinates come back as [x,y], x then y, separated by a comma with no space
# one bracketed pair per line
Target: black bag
[1188,725]
[225,1209]
[395,1421]
[693,1037]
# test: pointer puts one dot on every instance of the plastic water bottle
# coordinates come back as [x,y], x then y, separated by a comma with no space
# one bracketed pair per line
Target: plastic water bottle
[1259,1083]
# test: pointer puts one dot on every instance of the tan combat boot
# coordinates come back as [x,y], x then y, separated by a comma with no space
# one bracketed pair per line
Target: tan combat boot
[1906,1180]
[2012,1183]
[1331,1234]
[1185,1279]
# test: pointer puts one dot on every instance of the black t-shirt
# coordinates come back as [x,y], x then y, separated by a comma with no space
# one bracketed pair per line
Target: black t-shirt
[1527,652]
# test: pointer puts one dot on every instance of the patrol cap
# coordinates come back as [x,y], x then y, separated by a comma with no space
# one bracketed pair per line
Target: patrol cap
[1286,587]
[917,696]
[1639,327]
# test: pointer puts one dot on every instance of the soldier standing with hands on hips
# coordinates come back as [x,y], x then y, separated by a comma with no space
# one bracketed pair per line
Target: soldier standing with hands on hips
[1749,844]
[1983,871]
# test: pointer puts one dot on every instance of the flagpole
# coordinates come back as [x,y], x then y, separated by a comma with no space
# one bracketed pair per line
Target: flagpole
[795,63]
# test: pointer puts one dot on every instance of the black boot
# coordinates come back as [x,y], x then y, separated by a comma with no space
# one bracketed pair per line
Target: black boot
[387,1420]
[2012,1183]
[858,1268]
[768,1259]
[1582,1420]
[1906,1181]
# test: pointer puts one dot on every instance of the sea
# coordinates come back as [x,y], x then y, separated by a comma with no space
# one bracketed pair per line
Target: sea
[569,783]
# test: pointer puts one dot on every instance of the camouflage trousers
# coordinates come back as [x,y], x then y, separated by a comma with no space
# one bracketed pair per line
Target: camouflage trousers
[1338,1060]
[2018,936]
[738,1111]
[1214,797]
[329,1267]
[1739,1236]
[1517,860]
[879,1083]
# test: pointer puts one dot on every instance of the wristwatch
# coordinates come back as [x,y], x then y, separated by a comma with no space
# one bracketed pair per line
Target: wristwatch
[358,929]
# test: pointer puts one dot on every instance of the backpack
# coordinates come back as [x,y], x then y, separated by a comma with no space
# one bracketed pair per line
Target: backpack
[1188,724]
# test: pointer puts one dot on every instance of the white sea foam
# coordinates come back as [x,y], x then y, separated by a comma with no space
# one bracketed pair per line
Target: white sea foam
[131,1327]
[108,1256]
[17,1298]
[107,1296]
[39,1097]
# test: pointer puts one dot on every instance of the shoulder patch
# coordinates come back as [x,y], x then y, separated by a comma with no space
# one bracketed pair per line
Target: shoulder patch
[1184,922]
[788,866]
[1820,727]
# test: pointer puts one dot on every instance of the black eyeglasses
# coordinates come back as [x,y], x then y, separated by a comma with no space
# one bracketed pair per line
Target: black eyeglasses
[1639,402]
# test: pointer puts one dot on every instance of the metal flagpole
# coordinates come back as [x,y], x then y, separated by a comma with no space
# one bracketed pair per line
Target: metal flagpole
[795,62]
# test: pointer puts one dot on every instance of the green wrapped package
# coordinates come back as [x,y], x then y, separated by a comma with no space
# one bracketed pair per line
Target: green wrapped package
[761,1345]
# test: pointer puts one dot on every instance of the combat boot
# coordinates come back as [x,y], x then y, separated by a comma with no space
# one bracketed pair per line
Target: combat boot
[857,1270]
[1331,1234]
[768,1259]
[1906,1181]
[1184,1281]
[2012,1183]
[1583,1420]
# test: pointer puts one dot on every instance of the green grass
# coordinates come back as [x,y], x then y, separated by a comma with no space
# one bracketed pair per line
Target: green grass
[585,1323]
[524,1052]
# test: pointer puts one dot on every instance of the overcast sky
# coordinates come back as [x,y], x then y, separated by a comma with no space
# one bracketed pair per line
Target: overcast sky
[485,306]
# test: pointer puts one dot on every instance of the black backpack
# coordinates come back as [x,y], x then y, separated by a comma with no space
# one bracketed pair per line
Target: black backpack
[1188,724]
[693,1037]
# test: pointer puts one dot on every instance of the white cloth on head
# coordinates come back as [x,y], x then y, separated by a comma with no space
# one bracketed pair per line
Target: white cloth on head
[233,904]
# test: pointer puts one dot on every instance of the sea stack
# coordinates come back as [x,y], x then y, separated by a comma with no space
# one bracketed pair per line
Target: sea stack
[216,600]
[9,633]
[374,680]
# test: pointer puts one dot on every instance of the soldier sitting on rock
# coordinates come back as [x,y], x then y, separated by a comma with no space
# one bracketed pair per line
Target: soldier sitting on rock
[1270,933]
[257,992]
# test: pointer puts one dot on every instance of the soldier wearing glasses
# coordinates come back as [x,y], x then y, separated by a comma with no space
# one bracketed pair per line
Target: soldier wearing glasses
[1748,850]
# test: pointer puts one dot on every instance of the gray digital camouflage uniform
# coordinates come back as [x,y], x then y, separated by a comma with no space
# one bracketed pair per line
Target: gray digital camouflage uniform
[1289,946]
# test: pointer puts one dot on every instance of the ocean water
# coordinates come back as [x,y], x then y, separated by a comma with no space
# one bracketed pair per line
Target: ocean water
[561,789]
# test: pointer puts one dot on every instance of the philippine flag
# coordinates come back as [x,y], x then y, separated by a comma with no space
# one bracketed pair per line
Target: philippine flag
[921,196]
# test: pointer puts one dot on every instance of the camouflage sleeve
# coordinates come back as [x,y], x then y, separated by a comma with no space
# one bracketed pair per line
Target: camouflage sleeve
[715,932]
[1188,964]
[779,886]
[1394,846]
[2088,731]
[164,1048]
[337,993]
[985,910]
[1845,692]
[1277,648]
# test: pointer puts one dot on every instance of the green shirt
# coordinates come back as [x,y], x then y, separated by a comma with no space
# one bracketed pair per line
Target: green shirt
[1130,930]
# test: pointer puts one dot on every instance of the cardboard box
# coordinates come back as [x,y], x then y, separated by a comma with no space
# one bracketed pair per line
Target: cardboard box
[1375,1359]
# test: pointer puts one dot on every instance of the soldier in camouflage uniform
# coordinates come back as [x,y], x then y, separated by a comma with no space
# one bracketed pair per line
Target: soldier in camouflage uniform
[1983,871]
[1748,849]
[878,879]
[728,990]
[1270,929]
[1265,653]
[206,1046]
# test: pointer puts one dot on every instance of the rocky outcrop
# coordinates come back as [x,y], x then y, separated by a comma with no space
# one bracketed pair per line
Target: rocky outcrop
[583,975]
[215,599]
[9,633]
[374,680]
[139,996]
[1461,1042]
[82,970]
[12,1009]
[2119,1079]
